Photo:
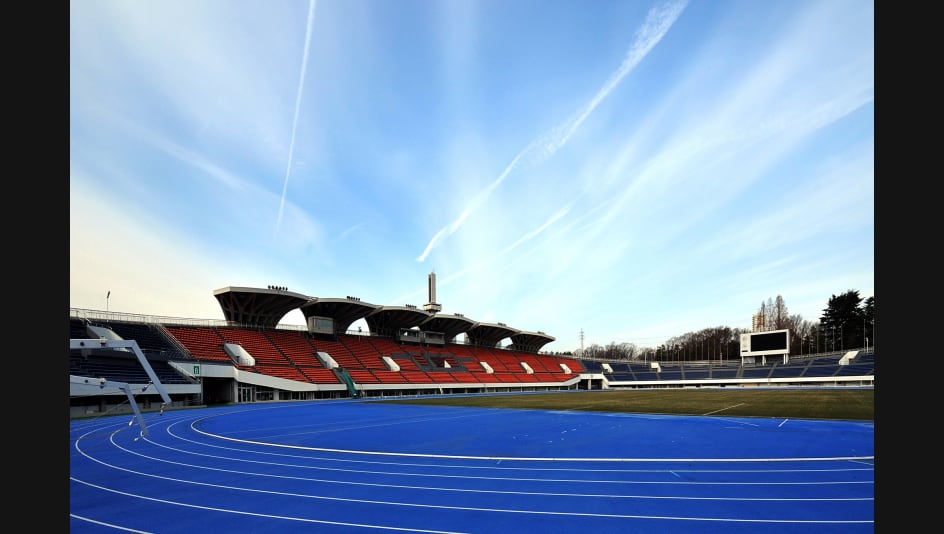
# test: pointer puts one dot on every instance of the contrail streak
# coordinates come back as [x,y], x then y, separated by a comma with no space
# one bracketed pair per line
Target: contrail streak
[657,23]
[298,104]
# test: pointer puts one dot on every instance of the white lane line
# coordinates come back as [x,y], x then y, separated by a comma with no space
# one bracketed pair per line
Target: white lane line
[723,409]
[109,525]
[463,508]
[529,458]
[469,490]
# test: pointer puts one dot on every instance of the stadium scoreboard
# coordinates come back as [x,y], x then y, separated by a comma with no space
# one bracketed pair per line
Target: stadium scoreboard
[772,342]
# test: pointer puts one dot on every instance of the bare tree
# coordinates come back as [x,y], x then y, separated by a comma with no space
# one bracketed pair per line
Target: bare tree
[780,315]
[628,351]
[800,333]
[774,314]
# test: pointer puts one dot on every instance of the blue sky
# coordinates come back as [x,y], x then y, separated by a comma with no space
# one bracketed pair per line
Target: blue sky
[631,170]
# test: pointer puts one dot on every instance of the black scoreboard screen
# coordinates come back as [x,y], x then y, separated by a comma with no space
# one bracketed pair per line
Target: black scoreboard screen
[761,343]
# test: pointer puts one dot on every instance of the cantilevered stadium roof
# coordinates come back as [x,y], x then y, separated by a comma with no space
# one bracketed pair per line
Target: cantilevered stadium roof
[264,308]
[343,311]
[257,307]
[529,341]
[450,325]
[388,320]
[489,334]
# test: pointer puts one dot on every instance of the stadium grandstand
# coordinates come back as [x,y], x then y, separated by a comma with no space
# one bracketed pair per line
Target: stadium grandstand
[250,357]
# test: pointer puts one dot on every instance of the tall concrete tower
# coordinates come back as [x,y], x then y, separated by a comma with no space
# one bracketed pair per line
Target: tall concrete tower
[432,306]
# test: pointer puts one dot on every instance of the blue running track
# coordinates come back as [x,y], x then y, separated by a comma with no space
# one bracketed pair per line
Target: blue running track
[359,466]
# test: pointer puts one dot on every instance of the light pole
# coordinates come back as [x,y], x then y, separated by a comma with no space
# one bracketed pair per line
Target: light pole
[107,296]
[865,335]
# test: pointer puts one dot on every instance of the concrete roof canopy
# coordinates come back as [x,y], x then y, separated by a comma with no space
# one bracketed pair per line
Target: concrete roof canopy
[343,311]
[257,307]
[529,341]
[450,325]
[489,334]
[388,320]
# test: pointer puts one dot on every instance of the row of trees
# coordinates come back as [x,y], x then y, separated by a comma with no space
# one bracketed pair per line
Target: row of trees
[847,322]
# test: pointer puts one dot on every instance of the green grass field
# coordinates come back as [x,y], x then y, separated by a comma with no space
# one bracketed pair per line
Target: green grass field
[807,403]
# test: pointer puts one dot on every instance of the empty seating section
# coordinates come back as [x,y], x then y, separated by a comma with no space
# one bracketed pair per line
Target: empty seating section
[319,376]
[438,357]
[789,369]
[574,365]
[473,364]
[405,360]
[509,361]
[725,371]
[756,371]
[292,355]
[279,371]
[338,352]
[462,352]
[863,365]
[546,368]
[296,348]
[536,364]
[418,377]
[385,346]
[203,343]
[120,365]
[389,377]
[363,376]
[622,372]
[670,372]
[490,357]
[697,372]
[122,368]
[501,377]
[150,340]
[256,344]
[465,377]
[523,376]
[823,367]
[464,357]
[363,351]
[643,371]
[428,365]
